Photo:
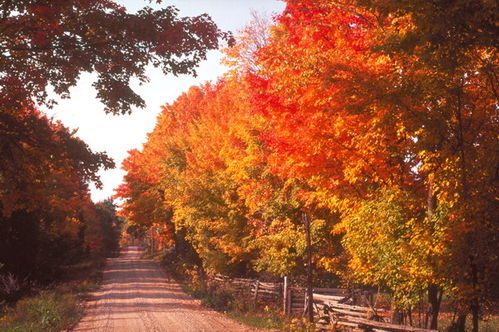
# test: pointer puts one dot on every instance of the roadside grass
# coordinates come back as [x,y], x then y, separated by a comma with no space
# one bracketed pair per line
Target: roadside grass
[56,308]
[48,311]
[266,319]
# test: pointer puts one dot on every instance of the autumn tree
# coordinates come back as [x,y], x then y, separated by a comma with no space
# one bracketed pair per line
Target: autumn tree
[44,195]
[143,205]
[39,151]
[368,98]
[315,87]
[448,90]
[241,56]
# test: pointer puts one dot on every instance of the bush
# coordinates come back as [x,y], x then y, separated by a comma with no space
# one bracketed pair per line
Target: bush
[9,286]
[220,300]
[53,309]
[49,311]
[12,288]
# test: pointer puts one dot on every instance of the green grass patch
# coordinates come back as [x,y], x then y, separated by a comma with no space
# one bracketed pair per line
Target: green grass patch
[56,308]
[48,311]
[259,319]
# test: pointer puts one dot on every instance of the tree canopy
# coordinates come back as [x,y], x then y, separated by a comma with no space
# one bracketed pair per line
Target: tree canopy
[46,43]
[379,119]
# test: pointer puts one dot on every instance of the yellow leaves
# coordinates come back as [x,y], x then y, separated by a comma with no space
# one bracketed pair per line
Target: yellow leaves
[281,247]
[330,264]
[401,131]
[384,234]
[402,24]
[225,245]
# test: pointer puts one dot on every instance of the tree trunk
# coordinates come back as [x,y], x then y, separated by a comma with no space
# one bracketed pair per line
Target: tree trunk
[397,316]
[475,315]
[310,296]
[459,325]
[434,300]
[475,306]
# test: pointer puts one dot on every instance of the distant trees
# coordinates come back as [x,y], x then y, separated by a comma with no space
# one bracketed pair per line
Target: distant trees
[366,115]
[111,226]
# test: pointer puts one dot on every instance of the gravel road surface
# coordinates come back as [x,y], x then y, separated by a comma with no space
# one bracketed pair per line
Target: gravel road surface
[136,295]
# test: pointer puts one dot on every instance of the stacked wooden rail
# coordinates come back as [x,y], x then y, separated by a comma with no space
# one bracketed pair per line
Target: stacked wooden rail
[260,291]
[332,311]
[266,291]
[294,301]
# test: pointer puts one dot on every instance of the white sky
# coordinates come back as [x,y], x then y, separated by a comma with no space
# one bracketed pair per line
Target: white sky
[118,134]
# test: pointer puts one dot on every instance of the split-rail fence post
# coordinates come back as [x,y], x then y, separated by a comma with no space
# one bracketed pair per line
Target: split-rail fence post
[257,285]
[285,295]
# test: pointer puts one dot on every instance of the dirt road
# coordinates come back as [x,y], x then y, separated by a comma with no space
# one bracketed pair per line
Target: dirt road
[137,296]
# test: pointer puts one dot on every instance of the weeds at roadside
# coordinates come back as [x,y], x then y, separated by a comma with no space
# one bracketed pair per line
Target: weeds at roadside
[57,307]
[268,317]
[48,311]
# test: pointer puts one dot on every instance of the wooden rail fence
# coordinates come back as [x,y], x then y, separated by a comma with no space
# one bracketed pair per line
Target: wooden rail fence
[260,291]
[333,307]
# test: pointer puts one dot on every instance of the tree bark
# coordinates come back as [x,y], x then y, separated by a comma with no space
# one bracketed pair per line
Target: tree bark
[475,315]
[459,325]
[475,305]
[397,316]
[434,293]
[434,300]
[310,296]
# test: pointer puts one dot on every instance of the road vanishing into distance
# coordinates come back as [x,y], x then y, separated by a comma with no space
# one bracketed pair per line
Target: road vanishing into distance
[136,295]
